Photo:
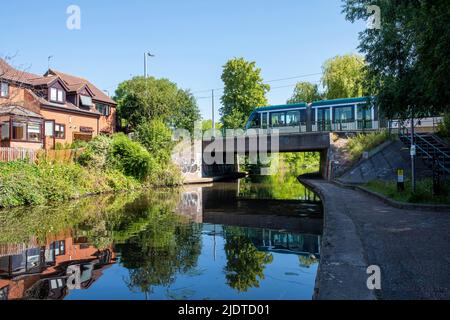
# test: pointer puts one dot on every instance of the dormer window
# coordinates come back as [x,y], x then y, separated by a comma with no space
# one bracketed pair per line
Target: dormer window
[56,95]
[86,101]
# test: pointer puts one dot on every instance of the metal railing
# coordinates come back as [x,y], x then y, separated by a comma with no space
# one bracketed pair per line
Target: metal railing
[433,153]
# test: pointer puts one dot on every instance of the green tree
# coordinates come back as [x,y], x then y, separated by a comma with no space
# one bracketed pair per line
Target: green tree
[140,100]
[207,125]
[305,92]
[156,137]
[244,91]
[343,77]
[407,58]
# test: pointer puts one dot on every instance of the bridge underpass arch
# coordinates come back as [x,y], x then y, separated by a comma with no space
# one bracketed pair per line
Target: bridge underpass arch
[220,154]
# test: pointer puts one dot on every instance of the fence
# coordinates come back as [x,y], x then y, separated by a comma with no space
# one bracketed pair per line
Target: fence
[60,156]
[15,154]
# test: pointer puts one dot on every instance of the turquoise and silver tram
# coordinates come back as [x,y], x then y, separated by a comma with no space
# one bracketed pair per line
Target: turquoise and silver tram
[352,114]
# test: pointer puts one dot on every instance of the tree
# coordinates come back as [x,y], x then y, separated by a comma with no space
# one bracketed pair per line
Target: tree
[407,58]
[305,92]
[141,99]
[343,77]
[207,125]
[156,137]
[244,91]
[187,112]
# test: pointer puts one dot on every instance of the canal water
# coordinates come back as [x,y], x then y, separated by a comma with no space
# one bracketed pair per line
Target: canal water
[256,238]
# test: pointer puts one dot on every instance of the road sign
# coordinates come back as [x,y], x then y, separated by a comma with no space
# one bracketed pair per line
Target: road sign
[413,150]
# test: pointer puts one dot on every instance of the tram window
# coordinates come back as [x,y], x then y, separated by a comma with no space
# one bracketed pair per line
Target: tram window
[278,119]
[264,120]
[256,121]
[293,118]
[343,114]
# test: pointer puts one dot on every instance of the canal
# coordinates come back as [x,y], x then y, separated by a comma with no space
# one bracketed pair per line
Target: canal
[256,238]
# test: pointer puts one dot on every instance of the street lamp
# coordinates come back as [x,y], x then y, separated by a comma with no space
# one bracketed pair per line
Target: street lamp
[146,55]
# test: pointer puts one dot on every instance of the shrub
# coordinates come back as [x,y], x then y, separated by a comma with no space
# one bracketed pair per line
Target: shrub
[365,142]
[168,176]
[156,137]
[444,127]
[130,157]
[96,152]
[23,183]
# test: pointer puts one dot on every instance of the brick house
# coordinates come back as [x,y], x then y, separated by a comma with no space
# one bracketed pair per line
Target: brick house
[40,111]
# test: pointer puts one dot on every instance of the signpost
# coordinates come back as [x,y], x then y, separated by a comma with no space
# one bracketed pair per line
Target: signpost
[400,180]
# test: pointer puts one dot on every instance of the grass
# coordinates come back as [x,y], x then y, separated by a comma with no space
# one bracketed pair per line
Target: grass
[365,142]
[423,194]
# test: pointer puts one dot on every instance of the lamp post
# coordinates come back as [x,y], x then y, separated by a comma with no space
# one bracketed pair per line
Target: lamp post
[146,55]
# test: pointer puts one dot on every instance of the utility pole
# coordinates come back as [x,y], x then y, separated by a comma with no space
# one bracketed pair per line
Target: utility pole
[213,117]
[145,65]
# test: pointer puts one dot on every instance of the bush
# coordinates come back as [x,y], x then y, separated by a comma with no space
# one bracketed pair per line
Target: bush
[22,183]
[169,176]
[444,127]
[130,157]
[156,137]
[365,142]
[96,153]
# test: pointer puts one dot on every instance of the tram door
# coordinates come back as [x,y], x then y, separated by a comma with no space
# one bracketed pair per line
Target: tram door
[323,119]
[364,117]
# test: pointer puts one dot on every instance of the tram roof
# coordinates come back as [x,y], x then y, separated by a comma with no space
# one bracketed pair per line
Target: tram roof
[339,101]
[314,104]
[282,107]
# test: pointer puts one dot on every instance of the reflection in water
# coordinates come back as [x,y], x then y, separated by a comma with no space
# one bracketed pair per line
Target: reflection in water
[210,242]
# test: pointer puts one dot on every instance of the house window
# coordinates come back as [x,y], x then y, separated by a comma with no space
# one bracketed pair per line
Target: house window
[60,131]
[104,109]
[4,293]
[59,247]
[49,128]
[19,130]
[5,131]
[56,95]
[34,132]
[4,90]
[86,101]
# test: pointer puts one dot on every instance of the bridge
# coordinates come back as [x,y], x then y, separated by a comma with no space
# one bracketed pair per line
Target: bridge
[220,154]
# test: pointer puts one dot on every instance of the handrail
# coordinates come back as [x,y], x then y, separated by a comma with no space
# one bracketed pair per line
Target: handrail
[442,165]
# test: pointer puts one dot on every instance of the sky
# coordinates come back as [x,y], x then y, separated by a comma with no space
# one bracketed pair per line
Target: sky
[191,40]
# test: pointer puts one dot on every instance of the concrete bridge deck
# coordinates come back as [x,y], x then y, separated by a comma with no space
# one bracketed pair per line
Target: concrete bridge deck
[288,142]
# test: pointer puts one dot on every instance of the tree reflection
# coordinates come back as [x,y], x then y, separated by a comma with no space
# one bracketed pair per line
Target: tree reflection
[245,264]
[168,245]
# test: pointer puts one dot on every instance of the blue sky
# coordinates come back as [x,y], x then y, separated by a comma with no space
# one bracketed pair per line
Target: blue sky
[192,40]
